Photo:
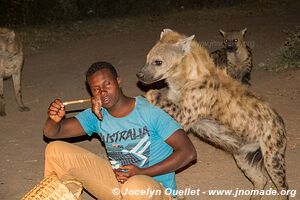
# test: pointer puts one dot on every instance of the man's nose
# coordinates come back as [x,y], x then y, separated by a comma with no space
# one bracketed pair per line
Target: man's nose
[103,91]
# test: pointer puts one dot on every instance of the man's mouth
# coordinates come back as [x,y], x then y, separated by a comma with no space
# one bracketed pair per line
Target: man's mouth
[105,100]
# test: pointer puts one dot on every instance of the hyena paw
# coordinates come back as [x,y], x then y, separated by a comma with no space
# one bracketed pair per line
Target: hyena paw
[153,96]
[24,109]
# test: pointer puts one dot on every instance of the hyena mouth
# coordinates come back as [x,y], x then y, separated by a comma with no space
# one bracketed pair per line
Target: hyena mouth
[148,79]
[231,48]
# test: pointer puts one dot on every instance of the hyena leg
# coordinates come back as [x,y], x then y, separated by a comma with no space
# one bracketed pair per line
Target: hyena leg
[251,165]
[159,99]
[246,78]
[274,161]
[156,97]
[2,101]
[18,92]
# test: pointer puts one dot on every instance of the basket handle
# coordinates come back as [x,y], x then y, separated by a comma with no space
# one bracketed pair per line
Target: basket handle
[80,187]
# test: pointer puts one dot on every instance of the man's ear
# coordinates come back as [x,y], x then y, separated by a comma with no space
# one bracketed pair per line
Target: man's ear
[119,80]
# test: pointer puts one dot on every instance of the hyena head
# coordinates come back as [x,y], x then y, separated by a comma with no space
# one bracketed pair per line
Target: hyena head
[7,37]
[164,56]
[232,40]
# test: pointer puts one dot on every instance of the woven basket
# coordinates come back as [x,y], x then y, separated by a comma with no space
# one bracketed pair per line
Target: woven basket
[51,188]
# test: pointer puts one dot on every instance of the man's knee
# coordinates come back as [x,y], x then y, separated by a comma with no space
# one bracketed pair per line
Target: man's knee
[53,147]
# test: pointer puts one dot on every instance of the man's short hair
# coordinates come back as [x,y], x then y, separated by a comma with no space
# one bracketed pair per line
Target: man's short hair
[101,65]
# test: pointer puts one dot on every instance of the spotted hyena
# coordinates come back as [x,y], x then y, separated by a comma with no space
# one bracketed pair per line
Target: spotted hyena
[217,108]
[11,62]
[236,56]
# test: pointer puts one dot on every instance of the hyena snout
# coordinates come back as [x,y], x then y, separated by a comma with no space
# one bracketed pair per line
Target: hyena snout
[145,76]
[231,47]
[140,75]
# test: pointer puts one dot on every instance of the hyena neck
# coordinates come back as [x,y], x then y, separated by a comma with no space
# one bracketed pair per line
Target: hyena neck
[179,77]
[14,48]
[239,56]
[195,65]
[175,84]
[174,93]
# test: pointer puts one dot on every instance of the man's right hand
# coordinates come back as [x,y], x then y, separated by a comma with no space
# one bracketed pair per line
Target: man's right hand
[56,110]
[96,105]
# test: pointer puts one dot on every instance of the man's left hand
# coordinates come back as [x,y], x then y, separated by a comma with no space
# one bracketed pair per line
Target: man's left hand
[127,171]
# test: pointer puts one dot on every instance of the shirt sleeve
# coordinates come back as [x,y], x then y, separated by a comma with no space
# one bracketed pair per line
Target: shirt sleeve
[165,125]
[88,121]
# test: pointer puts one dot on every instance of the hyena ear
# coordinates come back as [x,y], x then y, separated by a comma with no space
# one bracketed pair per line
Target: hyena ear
[185,44]
[244,31]
[164,32]
[222,32]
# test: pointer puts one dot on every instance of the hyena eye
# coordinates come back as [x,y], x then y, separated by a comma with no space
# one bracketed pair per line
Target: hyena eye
[235,40]
[157,62]
[226,41]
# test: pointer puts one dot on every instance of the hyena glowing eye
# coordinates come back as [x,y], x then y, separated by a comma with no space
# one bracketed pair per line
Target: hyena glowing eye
[226,41]
[157,62]
[235,40]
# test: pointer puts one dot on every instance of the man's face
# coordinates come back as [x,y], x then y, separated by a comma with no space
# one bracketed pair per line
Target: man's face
[104,83]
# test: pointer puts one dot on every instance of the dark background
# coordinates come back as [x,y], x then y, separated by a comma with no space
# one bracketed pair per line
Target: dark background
[36,12]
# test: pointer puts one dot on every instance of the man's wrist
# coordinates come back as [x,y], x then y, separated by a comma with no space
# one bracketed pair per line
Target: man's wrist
[144,171]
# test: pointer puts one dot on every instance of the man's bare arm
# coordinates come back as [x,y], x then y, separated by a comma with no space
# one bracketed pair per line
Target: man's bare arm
[57,126]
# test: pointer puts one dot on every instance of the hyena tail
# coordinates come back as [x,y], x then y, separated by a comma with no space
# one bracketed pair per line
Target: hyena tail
[216,134]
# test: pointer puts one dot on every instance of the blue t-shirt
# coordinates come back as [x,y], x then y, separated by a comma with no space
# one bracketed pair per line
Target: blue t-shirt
[138,138]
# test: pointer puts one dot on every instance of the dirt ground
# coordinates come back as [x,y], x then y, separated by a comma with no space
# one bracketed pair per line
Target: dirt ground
[58,72]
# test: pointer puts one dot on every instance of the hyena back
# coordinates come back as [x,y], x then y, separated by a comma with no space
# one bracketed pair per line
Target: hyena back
[217,108]
[11,63]
[236,56]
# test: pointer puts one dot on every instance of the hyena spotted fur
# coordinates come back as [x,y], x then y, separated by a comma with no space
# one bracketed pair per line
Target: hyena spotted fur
[218,109]
[11,63]
[235,57]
